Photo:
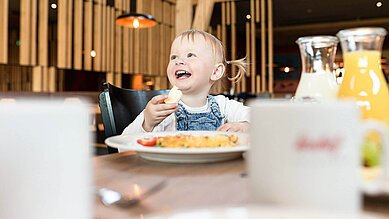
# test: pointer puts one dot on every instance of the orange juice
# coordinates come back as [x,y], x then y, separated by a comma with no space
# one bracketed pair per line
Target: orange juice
[364,81]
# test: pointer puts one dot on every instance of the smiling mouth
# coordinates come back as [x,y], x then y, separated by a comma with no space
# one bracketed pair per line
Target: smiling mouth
[182,74]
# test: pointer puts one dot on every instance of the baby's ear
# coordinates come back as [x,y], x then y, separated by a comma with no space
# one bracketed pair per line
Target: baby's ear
[218,72]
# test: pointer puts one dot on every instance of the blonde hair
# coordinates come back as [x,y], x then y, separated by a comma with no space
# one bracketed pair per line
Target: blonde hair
[218,51]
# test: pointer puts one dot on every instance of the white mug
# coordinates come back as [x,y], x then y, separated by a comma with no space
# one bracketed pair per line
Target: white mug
[309,155]
[45,165]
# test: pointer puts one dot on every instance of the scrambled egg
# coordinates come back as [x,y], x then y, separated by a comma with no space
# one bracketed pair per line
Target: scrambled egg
[189,141]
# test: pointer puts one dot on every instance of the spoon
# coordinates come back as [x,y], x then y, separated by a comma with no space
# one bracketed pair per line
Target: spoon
[111,197]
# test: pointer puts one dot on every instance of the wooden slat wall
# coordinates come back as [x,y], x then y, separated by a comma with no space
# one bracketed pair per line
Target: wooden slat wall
[184,10]
[228,13]
[38,79]
[94,28]
[233,41]
[111,39]
[118,45]
[131,52]
[248,55]
[97,34]
[118,39]
[33,42]
[257,11]
[141,6]
[111,49]
[270,37]
[45,78]
[150,57]
[51,72]
[69,33]
[62,21]
[110,32]
[104,35]
[263,47]
[123,51]
[158,32]
[4,31]
[253,47]
[126,35]
[223,37]
[88,16]
[173,21]
[203,14]
[77,35]
[43,46]
[270,40]
[25,32]
[166,33]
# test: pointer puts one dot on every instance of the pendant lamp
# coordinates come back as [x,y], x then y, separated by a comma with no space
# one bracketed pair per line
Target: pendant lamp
[135,20]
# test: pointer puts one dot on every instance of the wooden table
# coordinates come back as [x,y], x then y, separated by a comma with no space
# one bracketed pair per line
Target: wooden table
[187,186]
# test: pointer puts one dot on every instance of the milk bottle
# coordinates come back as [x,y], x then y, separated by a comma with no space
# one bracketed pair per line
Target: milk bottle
[317,79]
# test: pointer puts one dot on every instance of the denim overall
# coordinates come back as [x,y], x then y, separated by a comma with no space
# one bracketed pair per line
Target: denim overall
[207,121]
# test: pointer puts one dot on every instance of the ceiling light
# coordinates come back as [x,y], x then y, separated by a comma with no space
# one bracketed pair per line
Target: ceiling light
[248,17]
[93,53]
[134,20]
[379,4]
[53,6]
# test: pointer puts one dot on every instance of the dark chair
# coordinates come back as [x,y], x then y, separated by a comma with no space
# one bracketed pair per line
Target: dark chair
[120,106]
[245,96]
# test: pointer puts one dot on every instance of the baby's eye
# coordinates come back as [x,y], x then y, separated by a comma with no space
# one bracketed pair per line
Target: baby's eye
[191,55]
[173,57]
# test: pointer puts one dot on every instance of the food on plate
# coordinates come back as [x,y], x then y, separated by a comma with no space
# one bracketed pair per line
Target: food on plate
[148,141]
[190,141]
[174,95]
[371,153]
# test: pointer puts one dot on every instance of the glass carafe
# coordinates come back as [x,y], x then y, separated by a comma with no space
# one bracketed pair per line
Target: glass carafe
[363,78]
[317,79]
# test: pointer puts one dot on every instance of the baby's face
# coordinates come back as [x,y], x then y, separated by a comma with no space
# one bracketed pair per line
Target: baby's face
[191,65]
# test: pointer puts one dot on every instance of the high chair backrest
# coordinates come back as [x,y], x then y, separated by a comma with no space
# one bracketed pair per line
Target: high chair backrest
[120,106]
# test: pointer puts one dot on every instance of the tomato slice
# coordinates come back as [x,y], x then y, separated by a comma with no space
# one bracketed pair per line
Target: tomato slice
[148,141]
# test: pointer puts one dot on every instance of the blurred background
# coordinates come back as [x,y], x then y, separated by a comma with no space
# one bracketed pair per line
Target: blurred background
[75,45]
[69,48]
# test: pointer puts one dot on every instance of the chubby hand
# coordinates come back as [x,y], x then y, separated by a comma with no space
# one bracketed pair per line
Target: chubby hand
[234,127]
[157,110]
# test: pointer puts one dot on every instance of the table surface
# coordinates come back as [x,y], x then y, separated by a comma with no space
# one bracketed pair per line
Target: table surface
[188,186]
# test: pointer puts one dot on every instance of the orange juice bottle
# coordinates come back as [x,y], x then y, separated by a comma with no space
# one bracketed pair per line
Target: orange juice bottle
[363,78]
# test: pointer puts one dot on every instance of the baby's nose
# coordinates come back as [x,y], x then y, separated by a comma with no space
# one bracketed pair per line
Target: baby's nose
[179,61]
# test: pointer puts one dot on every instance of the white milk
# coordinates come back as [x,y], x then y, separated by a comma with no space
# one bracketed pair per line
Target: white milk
[319,85]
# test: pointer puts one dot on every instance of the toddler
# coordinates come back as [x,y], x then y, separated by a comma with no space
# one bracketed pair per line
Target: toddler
[197,61]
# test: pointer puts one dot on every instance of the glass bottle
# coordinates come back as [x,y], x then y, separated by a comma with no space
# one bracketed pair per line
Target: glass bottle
[317,79]
[363,78]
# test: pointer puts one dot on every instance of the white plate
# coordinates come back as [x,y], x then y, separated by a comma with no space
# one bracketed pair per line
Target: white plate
[180,155]
[254,212]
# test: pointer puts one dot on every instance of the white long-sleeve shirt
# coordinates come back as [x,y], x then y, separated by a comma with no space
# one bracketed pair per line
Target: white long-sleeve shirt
[232,110]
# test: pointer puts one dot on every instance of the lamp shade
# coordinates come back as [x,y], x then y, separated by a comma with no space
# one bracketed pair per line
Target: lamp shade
[134,20]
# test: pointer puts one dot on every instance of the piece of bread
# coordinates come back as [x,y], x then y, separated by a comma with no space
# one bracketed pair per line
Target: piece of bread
[174,95]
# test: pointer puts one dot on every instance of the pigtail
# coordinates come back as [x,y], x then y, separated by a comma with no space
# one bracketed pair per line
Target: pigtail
[242,66]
